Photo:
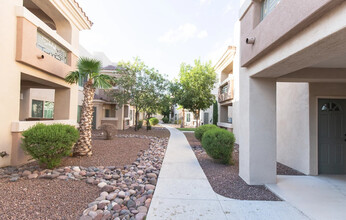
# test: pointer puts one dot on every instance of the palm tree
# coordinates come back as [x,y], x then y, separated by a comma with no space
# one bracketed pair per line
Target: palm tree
[88,69]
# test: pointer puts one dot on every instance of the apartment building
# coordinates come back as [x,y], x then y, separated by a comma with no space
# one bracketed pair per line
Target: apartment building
[292,87]
[107,110]
[224,69]
[40,47]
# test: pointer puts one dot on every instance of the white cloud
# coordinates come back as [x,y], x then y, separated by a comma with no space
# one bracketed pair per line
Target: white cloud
[202,34]
[183,33]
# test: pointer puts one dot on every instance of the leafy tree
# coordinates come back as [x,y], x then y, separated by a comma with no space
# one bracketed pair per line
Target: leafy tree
[139,86]
[88,69]
[195,86]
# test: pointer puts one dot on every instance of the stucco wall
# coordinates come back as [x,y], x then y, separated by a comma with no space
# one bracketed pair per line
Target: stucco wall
[293,144]
[10,88]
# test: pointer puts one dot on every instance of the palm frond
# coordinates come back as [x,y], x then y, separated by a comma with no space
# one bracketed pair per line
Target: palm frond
[87,66]
[72,77]
[103,81]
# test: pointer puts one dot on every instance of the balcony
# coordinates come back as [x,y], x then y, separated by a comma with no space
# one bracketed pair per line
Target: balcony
[41,47]
[226,92]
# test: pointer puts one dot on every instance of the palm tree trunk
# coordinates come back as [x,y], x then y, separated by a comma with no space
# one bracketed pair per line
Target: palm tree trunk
[83,146]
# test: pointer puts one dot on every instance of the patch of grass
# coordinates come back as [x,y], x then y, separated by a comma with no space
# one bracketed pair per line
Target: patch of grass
[186,129]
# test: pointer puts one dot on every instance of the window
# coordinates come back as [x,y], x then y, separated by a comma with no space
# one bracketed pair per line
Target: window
[126,111]
[79,111]
[107,113]
[224,89]
[188,117]
[42,109]
[37,109]
[48,111]
[131,114]
[331,107]
[268,6]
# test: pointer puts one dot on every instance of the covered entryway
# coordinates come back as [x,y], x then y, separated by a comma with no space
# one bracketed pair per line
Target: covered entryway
[318,197]
[331,136]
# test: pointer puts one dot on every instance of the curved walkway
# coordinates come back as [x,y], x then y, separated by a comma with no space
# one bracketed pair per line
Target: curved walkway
[183,192]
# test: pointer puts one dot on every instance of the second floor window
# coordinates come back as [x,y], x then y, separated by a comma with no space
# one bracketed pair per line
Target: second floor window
[224,89]
[268,6]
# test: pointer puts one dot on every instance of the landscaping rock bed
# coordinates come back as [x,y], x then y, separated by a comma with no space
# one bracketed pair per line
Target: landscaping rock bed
[225,179]
[126,192]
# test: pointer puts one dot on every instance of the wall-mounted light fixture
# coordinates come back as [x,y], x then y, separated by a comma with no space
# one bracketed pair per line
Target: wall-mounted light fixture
[250,40]
[40,57]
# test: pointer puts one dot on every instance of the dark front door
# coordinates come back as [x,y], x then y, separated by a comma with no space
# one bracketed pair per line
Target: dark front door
[331,136]
[94,118]
[206,118]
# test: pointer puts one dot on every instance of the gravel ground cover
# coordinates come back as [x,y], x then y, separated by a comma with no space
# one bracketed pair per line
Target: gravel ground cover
[156,131]
[126,180]
[44,199]
[224,179]
[116,152]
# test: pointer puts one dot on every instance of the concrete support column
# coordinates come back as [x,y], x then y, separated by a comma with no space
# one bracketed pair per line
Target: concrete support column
[25,105]
[65,104]
[257,102]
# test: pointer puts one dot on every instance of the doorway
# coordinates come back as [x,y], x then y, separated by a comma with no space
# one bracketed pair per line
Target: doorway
[331,136]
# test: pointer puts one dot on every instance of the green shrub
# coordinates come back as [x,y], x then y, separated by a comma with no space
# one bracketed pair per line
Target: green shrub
[165,120]
[202,129]
[140,124]
[49,143]
[153,121]
[219,143]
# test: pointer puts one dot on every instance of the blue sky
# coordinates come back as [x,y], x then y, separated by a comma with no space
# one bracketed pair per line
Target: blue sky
[162,33]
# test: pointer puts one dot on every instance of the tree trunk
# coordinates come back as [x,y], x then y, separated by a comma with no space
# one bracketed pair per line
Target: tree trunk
[136,120]
[83,146]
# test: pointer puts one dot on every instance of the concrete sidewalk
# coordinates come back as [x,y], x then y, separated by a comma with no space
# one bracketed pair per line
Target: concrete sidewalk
[183,192]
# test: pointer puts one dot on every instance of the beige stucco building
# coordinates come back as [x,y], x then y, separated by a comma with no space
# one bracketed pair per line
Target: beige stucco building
[106,110]
[225,98]
[292,88]
[40,46]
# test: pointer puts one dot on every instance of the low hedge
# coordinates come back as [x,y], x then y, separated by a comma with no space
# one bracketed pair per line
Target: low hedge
[49,143]
[153,121]
[202,129]
[165,120]
[219,144]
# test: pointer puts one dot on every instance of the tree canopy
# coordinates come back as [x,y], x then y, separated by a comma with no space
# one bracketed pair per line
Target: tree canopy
[193,90]
[139,86]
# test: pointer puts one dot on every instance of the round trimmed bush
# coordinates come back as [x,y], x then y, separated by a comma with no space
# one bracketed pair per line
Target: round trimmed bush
[165,120]
[202,129]
[219,144]
[49,143]
[153,121]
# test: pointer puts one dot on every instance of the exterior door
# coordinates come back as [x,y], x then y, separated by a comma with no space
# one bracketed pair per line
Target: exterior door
[331,136]
[94,118]
[206,118]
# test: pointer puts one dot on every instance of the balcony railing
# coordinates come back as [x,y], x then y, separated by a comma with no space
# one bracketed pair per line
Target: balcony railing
[41,47]
[226,92]
[50,47]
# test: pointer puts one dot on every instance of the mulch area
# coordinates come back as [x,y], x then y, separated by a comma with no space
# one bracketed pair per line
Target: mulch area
[225,179]
[155,131]
[45,199]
